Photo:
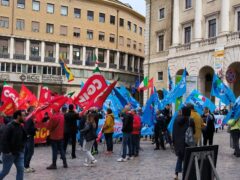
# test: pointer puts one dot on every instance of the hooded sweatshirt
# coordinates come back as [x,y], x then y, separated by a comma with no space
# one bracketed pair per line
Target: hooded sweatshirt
[108,126]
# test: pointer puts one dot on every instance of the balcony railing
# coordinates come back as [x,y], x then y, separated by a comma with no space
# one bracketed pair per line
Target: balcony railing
[183,47]
[19,56]
[77,62]
[233,36]
[49,59]
[122,67]
[4,55]
[130,68]
[113,66]
[136,70]
[101,64]
[35,58]
[209,41]
[90,63]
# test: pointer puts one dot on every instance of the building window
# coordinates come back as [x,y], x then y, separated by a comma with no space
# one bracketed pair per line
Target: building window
[128,42]
[212,28]
[77,13]
[63,30]
[101,36]
[112,20]
[160,76]
[50,28]
[64,10]
[3,46]
[35,5]
[140,31]
[161,13]
[17,68]
[121,22]
[76,53]
[134,45]
[102,17]
[5,2]
[89,34]
[160,43]
[19,47]
[35,49]
[129,25]
[4,22]
[112,38]
[49,50]
[63,51]
[140,47]
[21,4]
[35,26]
[187,34]
[32,69]
[20,24]
[135,28]
[121,40]
[50,8]
[188,4]
[76,32]
[90,15]
[238,20]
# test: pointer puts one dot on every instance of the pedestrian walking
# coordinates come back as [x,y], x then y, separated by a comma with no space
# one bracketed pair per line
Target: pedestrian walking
[136,133]
[235,133]
[89,133]
[209,129]
[108,130]
[12,143]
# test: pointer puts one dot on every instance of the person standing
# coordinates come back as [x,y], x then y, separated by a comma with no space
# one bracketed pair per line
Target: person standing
[13,140]
[136,133]
[159,129]
[127,128]
[235,133]
[56,127]
[209,129]
[89,133]
[180,127]
[70,129]
[108,130]
[30,129]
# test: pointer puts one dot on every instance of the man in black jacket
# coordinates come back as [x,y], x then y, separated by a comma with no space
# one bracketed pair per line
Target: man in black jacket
[30,129]
[159,129]
[70,129]
[13,141]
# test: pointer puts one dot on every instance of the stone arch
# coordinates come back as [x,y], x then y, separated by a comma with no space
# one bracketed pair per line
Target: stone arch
[180,72]
[235,67]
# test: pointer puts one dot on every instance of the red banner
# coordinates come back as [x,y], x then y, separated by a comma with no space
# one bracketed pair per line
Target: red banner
[41,134]
[91,89]
[8,107]
[45,95]
[9,92]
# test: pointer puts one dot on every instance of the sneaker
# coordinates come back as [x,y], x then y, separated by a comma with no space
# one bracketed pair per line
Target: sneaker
[131,158]
[27,170]
[51,167]
[86,164]
[32,169]
[122,160]
[94,161]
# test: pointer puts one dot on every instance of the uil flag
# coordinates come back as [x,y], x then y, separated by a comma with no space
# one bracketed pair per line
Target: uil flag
[234,113]
[170,81]
[9,92]
[67,71]
[222,91]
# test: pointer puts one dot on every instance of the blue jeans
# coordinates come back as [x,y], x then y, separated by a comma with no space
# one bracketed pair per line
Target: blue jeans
[29,151]
[8,160]
[179,165]
[127,143]
[57,146]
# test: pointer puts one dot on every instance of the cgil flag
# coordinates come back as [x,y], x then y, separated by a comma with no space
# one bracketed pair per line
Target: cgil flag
[26,98]
[68,72]
[8,107]
[222,91]
[9,92]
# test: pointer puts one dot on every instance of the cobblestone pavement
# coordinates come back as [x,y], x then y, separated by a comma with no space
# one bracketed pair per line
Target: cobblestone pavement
[151,165]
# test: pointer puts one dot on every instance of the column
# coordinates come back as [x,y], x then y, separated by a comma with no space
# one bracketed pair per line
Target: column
[139,62]
[71,54]
[42,51]
[126,62]
[225,16]
[108,58]
[27,49]
[57,53]
[84,56]
[96,53]
[117,57]
[133,61]
[11,47]
[175,22]
[198,20]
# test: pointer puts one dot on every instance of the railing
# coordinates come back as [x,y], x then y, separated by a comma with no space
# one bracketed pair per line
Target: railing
[77,62]
[233,36]
[207,42]
[49,59]
[19,56]
[101,64]
[122,67]
[90,63]
[113,66]
[183,47]
[35,58]
[4,55]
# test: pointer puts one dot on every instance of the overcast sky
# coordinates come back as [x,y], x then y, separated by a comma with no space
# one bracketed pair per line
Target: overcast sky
[138,5]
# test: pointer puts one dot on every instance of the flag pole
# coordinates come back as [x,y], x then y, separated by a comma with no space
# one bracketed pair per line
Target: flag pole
[139,92]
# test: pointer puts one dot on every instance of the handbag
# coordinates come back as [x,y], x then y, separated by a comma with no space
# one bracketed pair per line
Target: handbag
[189,139]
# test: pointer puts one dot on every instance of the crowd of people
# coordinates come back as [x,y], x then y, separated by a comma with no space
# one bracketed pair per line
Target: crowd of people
[17,135]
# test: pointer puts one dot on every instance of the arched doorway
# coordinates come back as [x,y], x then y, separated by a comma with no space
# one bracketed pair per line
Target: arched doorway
[180,72]
[205,81]
[235,70]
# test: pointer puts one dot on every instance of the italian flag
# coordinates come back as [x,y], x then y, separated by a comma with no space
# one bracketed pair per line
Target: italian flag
[201,97]
[144,84]
[95,58]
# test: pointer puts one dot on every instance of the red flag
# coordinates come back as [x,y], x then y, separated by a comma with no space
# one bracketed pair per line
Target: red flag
[45,95]
[26,98]
[91,89]
[9,92]
[101,98]
[150,85]
[8,107]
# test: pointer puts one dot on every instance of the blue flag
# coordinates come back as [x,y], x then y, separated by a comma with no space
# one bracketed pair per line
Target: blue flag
[200,102]
[170,125]
[170,81]
[234,113]
[221,91]
[165,93]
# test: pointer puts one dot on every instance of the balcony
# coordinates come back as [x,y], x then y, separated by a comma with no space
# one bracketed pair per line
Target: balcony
[113,66]
[90,63]
[122,67]
[4,55]
[49,59]
[183,47]
[207,42]
[77,62]
[129,68]
[233,36]
[136,70]
[19,56]
[101,64]
[35,58]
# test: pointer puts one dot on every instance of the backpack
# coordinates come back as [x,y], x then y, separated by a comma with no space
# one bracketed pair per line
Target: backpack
[189,138]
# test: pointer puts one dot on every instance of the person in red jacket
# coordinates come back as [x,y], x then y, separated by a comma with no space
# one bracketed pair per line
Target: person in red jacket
[56,135]
[136,133]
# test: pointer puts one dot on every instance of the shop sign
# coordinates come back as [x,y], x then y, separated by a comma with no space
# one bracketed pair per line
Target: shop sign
[4,77]
[29,78]
[52,79]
